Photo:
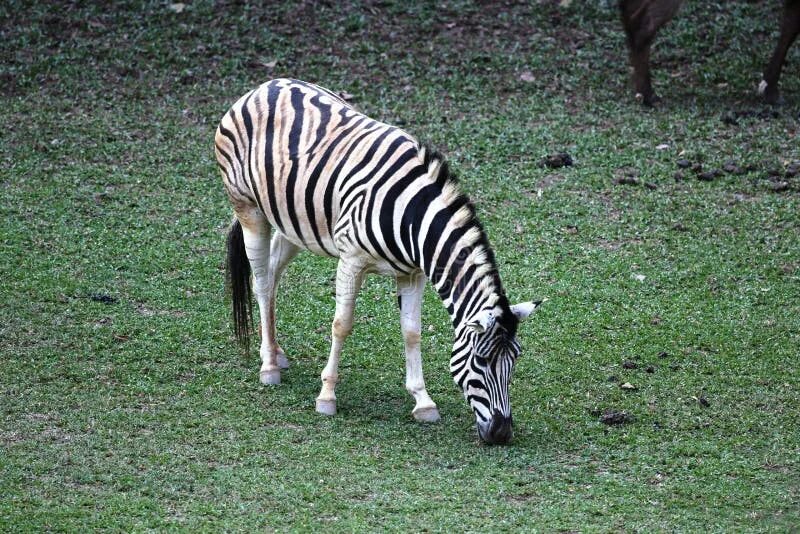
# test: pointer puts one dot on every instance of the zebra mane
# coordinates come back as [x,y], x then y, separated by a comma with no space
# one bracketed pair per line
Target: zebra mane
[448,180]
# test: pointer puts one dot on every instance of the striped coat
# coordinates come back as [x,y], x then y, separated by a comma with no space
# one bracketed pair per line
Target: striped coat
[297,159]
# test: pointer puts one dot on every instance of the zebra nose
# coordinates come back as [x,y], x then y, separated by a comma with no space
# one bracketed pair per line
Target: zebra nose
[498,430]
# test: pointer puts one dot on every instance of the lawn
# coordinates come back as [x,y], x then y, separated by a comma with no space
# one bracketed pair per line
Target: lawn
[126,404]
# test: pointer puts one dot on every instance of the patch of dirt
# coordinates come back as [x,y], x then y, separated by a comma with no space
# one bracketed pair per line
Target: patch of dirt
[626,176]
[9,437]
[777,468]
[790,268]
[614,417]
[731,167]
[102,297]
[549,181]
[779,186]
[556,161]
[522,498]
[709,176]
[606,244]
[612,211]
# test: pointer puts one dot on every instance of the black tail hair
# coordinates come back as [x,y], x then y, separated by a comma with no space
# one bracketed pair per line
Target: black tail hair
[237,282]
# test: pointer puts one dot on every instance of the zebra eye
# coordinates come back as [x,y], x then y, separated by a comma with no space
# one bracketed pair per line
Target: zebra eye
[480,360]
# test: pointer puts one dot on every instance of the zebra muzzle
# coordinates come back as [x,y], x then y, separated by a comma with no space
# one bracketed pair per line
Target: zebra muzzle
[496,431]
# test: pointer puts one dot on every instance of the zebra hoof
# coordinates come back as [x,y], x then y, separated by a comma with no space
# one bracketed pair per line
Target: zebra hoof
[326,406]
[271,377]
[429,414]
[283,361]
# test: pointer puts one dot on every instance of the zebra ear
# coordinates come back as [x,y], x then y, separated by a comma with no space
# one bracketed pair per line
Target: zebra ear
[482,321]
[524,309]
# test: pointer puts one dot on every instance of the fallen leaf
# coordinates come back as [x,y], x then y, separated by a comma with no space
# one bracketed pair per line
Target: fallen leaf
[662,146]
[527,76]
[628,386]
[177,7]
[639,277]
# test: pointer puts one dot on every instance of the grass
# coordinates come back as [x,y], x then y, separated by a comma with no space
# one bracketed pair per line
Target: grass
[139,412]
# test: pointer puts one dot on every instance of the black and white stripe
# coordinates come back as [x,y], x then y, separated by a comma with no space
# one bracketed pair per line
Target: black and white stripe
[297,158]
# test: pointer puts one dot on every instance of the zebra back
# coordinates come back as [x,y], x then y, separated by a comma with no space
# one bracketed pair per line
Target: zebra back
[337,182]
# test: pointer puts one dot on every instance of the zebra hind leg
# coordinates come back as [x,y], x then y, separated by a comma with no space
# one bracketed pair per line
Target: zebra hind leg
[256,232]
[282,251]
[409,297]
[348,282]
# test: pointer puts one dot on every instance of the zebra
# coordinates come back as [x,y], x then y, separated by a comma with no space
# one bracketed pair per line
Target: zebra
[297,159]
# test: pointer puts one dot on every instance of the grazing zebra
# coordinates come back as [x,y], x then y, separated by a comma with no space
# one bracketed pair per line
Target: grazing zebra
[298,159]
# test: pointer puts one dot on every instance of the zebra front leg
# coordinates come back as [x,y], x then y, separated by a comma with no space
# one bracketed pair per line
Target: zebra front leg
[790,28]
[348,282]
[409,297]
[256,232]
[282,251]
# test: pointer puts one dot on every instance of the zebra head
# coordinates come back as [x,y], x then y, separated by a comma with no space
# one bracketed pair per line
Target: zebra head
[482,363]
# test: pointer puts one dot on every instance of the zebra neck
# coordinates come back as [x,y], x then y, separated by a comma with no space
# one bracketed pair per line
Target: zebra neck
[464,273]
[446,241]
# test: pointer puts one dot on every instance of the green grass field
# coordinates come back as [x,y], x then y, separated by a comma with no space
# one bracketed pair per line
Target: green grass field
[127,406]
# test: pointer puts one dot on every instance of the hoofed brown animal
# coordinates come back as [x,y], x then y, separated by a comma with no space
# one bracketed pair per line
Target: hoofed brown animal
[643,18]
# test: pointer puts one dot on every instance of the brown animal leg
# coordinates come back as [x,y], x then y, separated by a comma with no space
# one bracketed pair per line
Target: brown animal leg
[642,19]
[790,27]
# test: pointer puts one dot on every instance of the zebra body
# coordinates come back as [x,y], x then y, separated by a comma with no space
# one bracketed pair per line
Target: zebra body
[298,160]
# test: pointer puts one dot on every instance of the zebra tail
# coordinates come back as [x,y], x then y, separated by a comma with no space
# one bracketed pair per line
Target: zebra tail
[237,282]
